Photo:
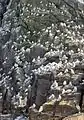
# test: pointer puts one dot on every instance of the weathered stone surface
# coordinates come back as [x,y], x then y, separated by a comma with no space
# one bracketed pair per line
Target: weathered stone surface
[49,115]
[8,57]
[75,117]
[6,117]
[63,108]
[43,86]
[37,50]
[35,115]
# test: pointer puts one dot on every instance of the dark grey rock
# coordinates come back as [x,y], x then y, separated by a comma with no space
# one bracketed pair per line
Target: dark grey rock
[37,50]
[43,86]
[8,58]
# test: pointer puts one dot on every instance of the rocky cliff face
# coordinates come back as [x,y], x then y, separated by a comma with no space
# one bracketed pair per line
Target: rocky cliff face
[40,36]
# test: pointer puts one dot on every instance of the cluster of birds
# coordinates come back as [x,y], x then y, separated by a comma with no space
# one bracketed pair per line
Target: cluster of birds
[22,68]
[60,69]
